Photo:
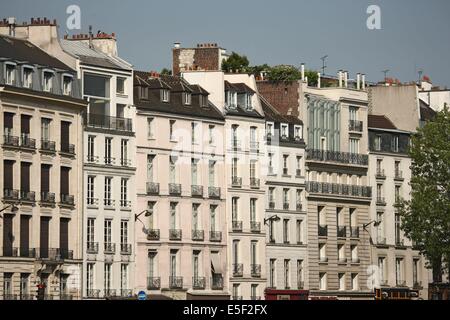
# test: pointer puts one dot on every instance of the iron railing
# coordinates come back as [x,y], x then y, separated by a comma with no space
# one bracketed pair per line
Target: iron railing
[175,234]
[322,230]
[174,189]
[108,122]
[217,282]
[198,235]
[254,183]
[214,192]
[336,156]
[236,225]
[152,188]
[68,148]
[341,231]
[47,197]
[10,194]
[153,283]
[175,282]
[236,181]
[339,189]
[153,234]
[196,191]
[10,140]
[255,226]
[355,125]
[27,196]
[109,248]
[28,143]
[255,270]
[67,199]
[92,247]
[198,283]
[125,248]
[238,270]
[215,236]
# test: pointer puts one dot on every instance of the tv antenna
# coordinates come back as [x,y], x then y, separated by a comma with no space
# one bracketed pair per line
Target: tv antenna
[385,74]
[323,63]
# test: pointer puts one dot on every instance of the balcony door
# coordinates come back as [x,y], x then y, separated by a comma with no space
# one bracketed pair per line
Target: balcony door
[24,235]
[8,237]
[64,237]
[24,177]
[65,135]
[44,237]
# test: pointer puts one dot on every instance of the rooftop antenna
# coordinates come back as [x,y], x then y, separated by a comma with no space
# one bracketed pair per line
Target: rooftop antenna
[420,72]
[385,74]
[323,63]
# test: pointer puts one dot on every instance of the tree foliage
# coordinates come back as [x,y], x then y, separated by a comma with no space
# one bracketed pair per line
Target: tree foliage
[166,72]
[235,62]
[426,217]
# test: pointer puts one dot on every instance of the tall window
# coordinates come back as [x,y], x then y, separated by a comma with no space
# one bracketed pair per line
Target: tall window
[67,85]
[124,152]
[355,285]
[234,208]
[194,171]
[341,281]
[234,168]
[352,113]
[286,230]
[378,143]
[124,278]
[212,173]
[165,95]
[213,217]
[124,192]
[47,81]
[253,209]
[395,144]
[108,151]
[252,170]
[322,281]
[150,122]
[151,215]
[252,136]
[172,169]
[10,77]
[299,166]
[235,251]
[196,264]
[89,277]
[286,199]
[211,129]
[152,264]
[298,132]
[90,190]
[382,269]
[150,161]
[107,195]
[173,215]
[397,229]
[416,272]
[107,277]
[27,77]
[171,130]
[254,252]
[272,273]
[107,232]
[380,227]
[91,149]
[254,291]
[299,227]
[120,85]
[287,282]
[45,129]
[195,220]
[193,133]
[399,271]
[354,145]
[90,232]
[123,232]
[299,274]
[285,164]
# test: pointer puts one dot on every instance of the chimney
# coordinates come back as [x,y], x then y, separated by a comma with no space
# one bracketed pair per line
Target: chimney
[358,81]
[318,80]
[345,79]
[176,45]
[302,69]
[340,78]
[363,81]
[12,26]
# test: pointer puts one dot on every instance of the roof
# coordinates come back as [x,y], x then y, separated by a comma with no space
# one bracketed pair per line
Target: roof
[238,87]
[23,50]
[426,112]
[174,84]
[272,114]
[92,56]
[380,121]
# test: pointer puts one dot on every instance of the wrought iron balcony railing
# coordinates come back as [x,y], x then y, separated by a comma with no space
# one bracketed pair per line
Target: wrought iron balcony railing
[254,146]
[217,282]
[153,234]
[354,232]
[196,191]
[236,181]
[355,125]
[298,206]
[10,194]
[198,283]
[398,175]
[380,174]
[339,189]
[67,148]
[125,204]
[125,162]
[236,225]
[27,142]
[323,230]
[215,236]
[214,192]
[271,204]
[92,247]
[198,235]
[341,232]
[175,282]
[255,270]
[10,140]
[93,293]
[126,293]
[47,197]
[380,201]
[175,234]
[286,205]
[254,183]
[152,188]
[125,248]
[238,270]
[108,202]
[27,196]
[175,189]
[110,160]
[109,248]
[92,202]
[109,293]
[153,283]
[107,122]
[48,146]
[67,199]
[336,156]
[255,226]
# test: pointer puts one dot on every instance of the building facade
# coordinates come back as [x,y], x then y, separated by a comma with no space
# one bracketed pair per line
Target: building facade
[41,160]
[181,233]
[109,166]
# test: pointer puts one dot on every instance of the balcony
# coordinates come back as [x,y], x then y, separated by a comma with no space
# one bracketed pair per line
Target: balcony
[153,283]
[236,182]
[271,205]
[355,125]
[110,161]
[380,201]
[400,243]
[342,260]
[339,189]
[92,159]
[10,252]
[254,183]
[107,122]
[214,192]
[238,270]
[215,236]
[198,283]
[236,226]
[126,293]
[109,248]
[217,282]
[174,189]
[125,162]
[66,200]
[26,297]
[92,247]
[125,248]
[255,226]
[398,175]
[54,254]
[67,149]
[384,283]
[27,252]
[10,141]
[93,293]
[153,234]
[400,283]
[196,191]
[286,206]
[254,146]
[175,234]
[298,206]
[92,202]
[109,203]
[285,171]
[417,285]
[380,174]
[47,198]
[152,188]
[322,230]
[125,204]
[255,270]
[175,282]
[198,235]
[27,143]
[10,194]
[109,293]
[27,196]
[337,157]
[341,232]
[354,232]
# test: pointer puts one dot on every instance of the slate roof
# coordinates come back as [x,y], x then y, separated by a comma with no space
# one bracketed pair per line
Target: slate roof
[272,114]
[23,50]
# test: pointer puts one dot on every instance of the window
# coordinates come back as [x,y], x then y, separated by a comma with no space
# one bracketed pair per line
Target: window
[287,282]
[123,233]
[397,168]
[45,129]
[341,278]
[322,281]
[286,230]
[151,215]
[91,149]
[253,210]
[211,134]
[172,169]
[235,251]
[194,171]
[253,135]
[7,284]
[107,232]
[24,284]
[299,227]
[270,169]
[152,265]
[272,273]
[399,271]
[96,85]
[323,252]
[352,113]
[212,173]
[234,168]
[27,77]
[299,166]
[354,145]
[124,152]
[107,278]
[271,195]
[397,193]
[173,215]
[67,85]
[47,84]
[90,190]
[90,233]
[398,240]
[285,164]
[254,252]
[298,132]
[355,285]
[354,252]
[150,122]
[89,277]
[380,227]
[252,170]
[143,93]
[120,85]
[124,278]
[212,217]
[254,291]
[107,195]
[234,208]
[108,151]
[377,143]
[150,161]
[171,130]
[269,129]
[194,137]
[382,269]
[379,191]
[298,200]
[284,131]
[248,101]
[286,199]
[195,264]
[165,95]
[187,97]
[203,100]
[235,291]
[416,272]
[10,74]
[195,219]
[395,144]
[124,193]
[299,274]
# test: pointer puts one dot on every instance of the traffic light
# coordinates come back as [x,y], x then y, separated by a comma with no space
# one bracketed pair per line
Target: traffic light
[40,291]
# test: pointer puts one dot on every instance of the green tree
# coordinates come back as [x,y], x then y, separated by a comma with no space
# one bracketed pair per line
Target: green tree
[235,62]
[166,72]
[426,217]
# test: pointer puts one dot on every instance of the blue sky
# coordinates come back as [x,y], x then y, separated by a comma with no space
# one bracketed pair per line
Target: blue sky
[414,34]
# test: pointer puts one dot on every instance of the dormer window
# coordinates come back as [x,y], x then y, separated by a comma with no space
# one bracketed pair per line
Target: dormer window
[27,77]
[269,129]
[47,84]
[144,93]
[67,85]
[230,99]
[187,97]
[298,132]
[284,131]
[165,95]
[203,101]
[10,74]
[248,101]
[120,85]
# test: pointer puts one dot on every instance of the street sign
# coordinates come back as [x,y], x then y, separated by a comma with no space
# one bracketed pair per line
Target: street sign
[142,295]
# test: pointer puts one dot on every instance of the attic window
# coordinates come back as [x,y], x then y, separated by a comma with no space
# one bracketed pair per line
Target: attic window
[284,131]
[67,84]
[165,95]
[27,77]
[248,101]
[47,81]
[10,73]
[144,93]
[269,129]
[203,101]
[187,98]
[298,132]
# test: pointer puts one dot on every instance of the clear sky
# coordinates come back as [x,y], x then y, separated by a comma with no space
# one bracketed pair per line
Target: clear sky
[414,34]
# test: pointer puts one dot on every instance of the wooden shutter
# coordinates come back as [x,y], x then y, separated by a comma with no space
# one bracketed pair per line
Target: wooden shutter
[25,124]
[45,221]
[64,235]
[8,120]
[24,235]
[25,176]
[64,187]
[7,234]
[45,178]
[8,174]
[65,131]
